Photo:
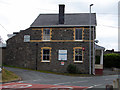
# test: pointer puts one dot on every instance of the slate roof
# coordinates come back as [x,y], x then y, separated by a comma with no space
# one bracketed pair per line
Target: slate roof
[77,19]
[97,47]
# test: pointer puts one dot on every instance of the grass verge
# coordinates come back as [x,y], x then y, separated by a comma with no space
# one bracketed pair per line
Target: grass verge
[67,74]
[8,76]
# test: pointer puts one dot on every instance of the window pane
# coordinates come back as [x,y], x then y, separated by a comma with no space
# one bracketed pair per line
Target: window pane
[48,32]
[47,57]
[45,37]
[78,51]
[80,58]
[44,31]
[76,34]
[45,51]
[76,58]
[80,34]
[44,57]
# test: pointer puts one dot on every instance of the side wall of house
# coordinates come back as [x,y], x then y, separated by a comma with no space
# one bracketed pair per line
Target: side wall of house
[19,53]
[28,54]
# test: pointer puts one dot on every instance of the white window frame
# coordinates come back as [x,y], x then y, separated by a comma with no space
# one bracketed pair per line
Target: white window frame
[43,35]
[26,38]
[75,34]
[81,61]
[42,54]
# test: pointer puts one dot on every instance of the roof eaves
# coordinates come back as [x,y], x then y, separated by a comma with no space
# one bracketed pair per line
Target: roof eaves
[97,47]
[61,25]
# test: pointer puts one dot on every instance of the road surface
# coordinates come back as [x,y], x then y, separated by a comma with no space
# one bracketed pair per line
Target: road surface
[34,77]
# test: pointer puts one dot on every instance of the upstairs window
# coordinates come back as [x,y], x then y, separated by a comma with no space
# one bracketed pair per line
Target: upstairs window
[78,54]
[26,38]
[46,34]
[78,34]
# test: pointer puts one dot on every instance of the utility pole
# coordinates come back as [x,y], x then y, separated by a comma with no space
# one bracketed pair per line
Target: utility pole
[93,53]
[90,42]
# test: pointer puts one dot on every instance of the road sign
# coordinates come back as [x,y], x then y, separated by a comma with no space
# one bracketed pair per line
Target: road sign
[62,63]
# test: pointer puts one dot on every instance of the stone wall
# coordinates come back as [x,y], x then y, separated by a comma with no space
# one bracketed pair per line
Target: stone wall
[28,54]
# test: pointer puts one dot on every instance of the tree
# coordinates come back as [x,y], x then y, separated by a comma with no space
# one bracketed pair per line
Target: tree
[1,40]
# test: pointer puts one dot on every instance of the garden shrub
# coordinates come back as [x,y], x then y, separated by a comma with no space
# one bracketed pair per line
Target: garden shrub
[72,68]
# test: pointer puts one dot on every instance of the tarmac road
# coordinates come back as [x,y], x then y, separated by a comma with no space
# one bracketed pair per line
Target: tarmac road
[35,77]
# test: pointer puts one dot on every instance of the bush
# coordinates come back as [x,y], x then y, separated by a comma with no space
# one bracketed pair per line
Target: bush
[72,68]
[112,60]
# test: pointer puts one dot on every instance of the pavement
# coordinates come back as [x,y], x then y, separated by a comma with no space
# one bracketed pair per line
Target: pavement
[43,80]
[109,71]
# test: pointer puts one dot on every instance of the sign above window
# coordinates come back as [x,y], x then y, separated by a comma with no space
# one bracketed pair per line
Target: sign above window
[26,38]
[62,55]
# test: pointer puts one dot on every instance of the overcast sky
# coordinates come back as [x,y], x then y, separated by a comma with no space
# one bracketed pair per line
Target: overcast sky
[16,15]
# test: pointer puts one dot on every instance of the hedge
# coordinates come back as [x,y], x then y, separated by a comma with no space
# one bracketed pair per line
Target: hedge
[112,60]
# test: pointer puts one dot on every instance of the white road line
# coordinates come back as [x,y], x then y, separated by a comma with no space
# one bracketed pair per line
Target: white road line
[107,79]
[20,81]
[95,85]
[69,82]
[33,80]
[37,80]
[62,83]
[79,81]
[85,77]
[90,87]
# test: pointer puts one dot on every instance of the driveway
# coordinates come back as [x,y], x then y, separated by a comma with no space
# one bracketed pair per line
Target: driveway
[35,77]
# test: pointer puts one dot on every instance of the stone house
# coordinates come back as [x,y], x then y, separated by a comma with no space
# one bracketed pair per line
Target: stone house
[52,42]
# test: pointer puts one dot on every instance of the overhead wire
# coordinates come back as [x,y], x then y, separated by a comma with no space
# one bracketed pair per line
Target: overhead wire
[109,26]
[6,31]
[4,28]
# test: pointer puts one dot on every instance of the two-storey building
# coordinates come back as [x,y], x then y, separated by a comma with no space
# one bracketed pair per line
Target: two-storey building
[52,42]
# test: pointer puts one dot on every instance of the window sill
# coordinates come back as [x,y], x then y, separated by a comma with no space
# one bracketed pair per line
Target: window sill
[78,61]
[45,40]
[45,61]
[78,40]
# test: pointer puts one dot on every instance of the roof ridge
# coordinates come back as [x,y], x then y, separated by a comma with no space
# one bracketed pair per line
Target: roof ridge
[65,13]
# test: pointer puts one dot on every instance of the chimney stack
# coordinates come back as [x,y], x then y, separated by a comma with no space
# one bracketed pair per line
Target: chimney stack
[61,13]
